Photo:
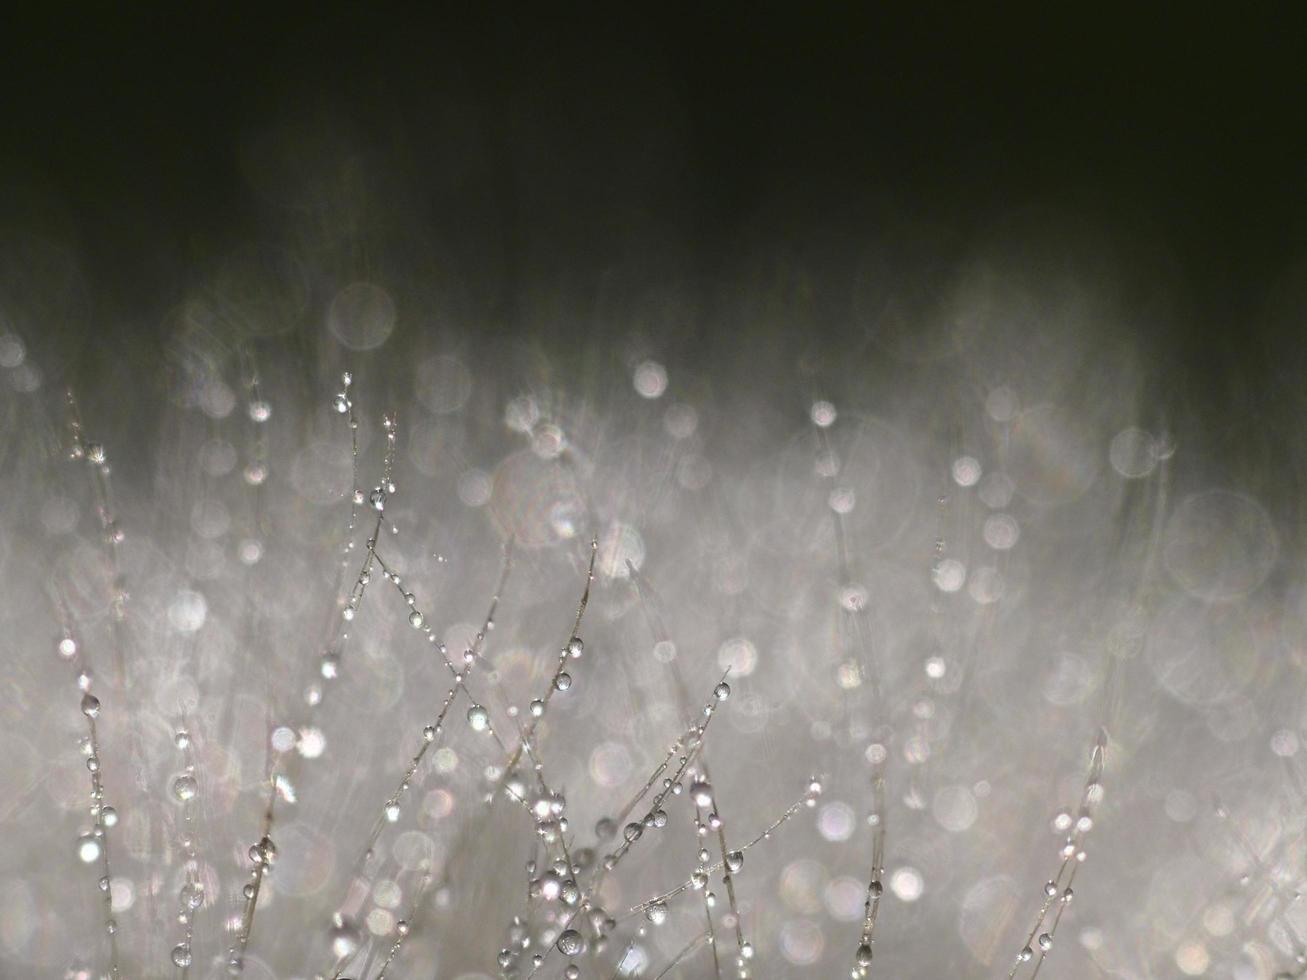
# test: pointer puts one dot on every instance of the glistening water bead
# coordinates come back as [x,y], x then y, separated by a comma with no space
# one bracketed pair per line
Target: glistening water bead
[570,943]
[184,787]
[88,848]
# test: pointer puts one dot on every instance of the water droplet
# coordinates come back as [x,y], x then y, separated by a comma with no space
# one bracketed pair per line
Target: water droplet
[181,955]
[90,706]
[192,894]
[701,793]
[88,848]
[563,681]
[478,718]
[415,619]
[575,647]
[344,938]
[184,787]
[570,943]
[734,861]
[863,956]
[340,403]
[656,913]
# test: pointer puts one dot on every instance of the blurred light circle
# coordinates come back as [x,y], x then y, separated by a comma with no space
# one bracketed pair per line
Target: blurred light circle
[210,518]
[949,575]
[1133,453]
[442,384]
[521,414]
[1066,679]
[842,500]
[844,899]
[1284,743]
[650,379]
[217,457]
[739,656]
[1002,404]
[475,487]
[1001,531]
[836,821]
[1050,456]
[907,884]
[122,894]
[996,490]
[380,922]
[681,420]
[217,400]
[955,808]
[987,585]
[387,893]
[539,502]
[1219,545]
[1192,958]
[1202,654]
[966,471]
[438,804]
[361,316]
[610,764]
[311,743]
[414,849]
[800,886]
[12,350]
[26,378]
[823,414]
[187,611]
[548,441]
[802,941]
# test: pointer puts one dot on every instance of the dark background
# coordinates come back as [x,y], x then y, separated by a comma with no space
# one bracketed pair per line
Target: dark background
[1186,125]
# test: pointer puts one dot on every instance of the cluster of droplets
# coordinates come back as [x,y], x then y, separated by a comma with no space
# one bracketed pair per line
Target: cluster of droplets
[708,822]
[1058,892]
[95,457]
[655,909]
[862,956]
[93,845]
[191,896]
[259,411]
[570,941]
[478,719]
[262,855]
